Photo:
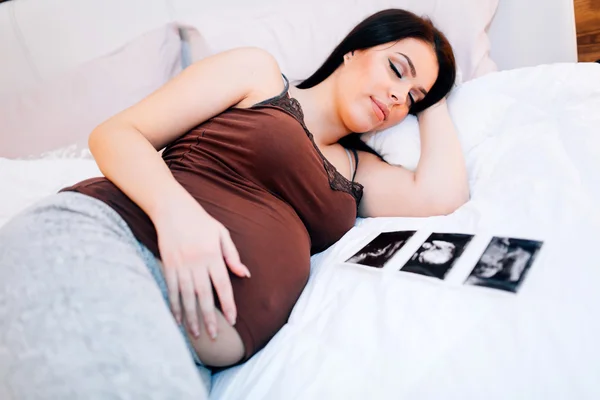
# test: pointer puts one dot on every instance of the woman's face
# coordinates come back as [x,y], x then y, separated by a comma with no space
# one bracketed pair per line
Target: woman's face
[391,77]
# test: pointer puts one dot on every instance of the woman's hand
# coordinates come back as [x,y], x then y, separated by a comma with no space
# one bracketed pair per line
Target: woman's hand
[195,250]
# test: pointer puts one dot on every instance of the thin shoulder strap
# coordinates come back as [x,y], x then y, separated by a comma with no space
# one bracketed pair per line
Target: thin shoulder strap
[353,164]
[283,93]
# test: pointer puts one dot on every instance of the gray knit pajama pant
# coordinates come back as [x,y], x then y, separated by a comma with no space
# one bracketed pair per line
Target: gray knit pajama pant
[81,315]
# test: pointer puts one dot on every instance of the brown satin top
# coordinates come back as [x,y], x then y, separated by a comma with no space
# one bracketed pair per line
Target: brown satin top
[258,172]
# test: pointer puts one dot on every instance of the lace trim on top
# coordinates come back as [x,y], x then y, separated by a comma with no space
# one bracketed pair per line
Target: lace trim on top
[292,106]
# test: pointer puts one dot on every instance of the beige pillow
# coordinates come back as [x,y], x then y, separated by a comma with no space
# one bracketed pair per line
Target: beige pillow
[64,110]
[301,35]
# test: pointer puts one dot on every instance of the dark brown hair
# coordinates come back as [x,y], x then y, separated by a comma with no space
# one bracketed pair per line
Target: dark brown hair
[388,26]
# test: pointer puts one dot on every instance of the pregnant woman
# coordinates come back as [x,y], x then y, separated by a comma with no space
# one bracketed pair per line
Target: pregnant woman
[126,286]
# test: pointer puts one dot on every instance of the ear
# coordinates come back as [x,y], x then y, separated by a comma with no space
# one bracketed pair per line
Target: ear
[348,56]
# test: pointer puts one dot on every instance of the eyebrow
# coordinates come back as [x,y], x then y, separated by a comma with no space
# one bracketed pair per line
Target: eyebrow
[413,71]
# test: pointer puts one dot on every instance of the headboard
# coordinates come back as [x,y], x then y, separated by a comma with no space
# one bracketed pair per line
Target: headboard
[523,33]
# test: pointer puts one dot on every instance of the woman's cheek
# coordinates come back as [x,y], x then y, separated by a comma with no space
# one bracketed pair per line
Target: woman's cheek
[359,120]
[395,117]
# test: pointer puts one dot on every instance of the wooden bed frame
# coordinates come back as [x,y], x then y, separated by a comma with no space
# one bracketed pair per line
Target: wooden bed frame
[587,17]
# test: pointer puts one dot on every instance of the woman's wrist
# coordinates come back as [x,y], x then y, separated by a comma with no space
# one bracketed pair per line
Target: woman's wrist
[172,198]
[433,109]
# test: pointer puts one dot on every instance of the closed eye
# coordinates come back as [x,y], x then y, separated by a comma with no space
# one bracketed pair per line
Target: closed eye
[399,75]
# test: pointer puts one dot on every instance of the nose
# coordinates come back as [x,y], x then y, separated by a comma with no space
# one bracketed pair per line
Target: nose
[399,93]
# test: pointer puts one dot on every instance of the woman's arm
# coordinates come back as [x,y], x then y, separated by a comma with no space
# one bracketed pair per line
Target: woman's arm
[125,147]
[195,249]
[437,187]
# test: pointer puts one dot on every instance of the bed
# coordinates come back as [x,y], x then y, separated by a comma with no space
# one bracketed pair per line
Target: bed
[359,332]
[529,132]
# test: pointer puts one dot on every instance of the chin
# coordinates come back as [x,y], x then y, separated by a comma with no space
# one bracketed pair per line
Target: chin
[361,122]
[364,128]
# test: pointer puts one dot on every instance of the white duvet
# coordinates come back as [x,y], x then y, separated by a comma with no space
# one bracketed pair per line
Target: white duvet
[532,143]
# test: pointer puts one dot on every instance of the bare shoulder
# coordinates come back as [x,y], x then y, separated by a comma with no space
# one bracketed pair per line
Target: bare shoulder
[262,73]
[233,78]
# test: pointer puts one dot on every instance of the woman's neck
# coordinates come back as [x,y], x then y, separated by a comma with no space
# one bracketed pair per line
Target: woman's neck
[321,115]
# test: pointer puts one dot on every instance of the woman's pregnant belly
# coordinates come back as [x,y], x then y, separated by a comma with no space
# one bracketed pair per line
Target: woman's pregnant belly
[275,246]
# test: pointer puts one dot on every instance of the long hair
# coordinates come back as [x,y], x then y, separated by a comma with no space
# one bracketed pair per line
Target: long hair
[388,26]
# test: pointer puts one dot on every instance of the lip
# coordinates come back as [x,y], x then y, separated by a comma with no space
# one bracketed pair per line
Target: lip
[384,110]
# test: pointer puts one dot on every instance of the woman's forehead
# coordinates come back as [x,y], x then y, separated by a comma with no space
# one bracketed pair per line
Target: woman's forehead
[407,44]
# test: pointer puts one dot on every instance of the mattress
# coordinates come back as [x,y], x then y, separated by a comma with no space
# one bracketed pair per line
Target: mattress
[532,143]
[533,156]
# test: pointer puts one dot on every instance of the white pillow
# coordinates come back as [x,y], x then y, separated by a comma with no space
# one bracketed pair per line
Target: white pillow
[62,111]
[401,144]
[26,182]
[302,34]
[499,103]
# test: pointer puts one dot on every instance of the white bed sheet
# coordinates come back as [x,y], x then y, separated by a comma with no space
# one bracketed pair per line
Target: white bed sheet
[361,333]
[25,182]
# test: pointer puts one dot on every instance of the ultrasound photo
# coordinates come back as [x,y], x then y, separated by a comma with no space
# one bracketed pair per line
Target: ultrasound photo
[437,255]
[379,251]
[504,263]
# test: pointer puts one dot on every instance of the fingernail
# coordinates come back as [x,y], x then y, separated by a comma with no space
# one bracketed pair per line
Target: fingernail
[196,332]
[212,331]
[247,273]
[231,318]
